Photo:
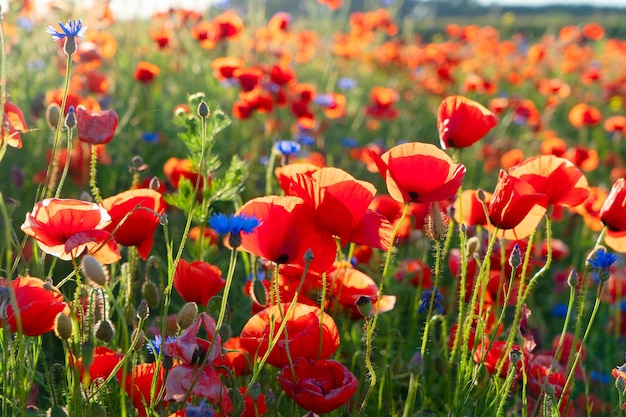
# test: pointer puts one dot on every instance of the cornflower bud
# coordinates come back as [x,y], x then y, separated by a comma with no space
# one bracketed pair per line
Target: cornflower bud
[515,260]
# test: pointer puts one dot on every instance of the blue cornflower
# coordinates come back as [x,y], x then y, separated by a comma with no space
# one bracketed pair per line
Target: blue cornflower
[346,83]
[602,259]
[73,28]
[201,410]
[348,142]
[559,310]
[425,300]
[324,100]
[154,345]
[306,139]
[287,147]
[233,224]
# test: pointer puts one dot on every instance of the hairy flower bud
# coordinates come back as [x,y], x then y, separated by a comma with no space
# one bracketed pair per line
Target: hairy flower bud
[187,315]
[53,116]
[70,119]
[93,270]
[140,336]
[572,279]
[104,331]
[143,311]
[515,260]
[151,294]
[436,223]
[203,110]
[416,364]
[63,326]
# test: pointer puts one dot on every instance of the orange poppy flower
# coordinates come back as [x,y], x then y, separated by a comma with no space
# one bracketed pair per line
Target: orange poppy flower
[584,158]
[67,228]
[462,122]
[615,124]
[198,281]
[162,37]
[511,158]
[138,228]
[236,358]
[287,232]
[228,24]
[73,99]
[419,172]
[492,356]
[336,109]
[138,385]
[38,305]
[146,72]
[590,209]
[516,208]
[583,114]
[175,169]
[282,74]
[13,118]
[613,216]
[320,386]
[382,100]
[558,178]
[95,127]
[303,328]
[249,77]
[252,407]
[340,204]
[280,22]
[553,146]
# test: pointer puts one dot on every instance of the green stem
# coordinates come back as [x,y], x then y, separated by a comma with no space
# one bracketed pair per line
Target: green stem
[66,168]
[92,175]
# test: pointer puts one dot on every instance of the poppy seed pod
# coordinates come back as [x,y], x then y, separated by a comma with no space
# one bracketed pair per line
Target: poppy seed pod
[53,115]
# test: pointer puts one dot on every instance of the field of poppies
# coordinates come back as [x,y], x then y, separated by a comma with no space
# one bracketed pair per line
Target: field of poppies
[238,213]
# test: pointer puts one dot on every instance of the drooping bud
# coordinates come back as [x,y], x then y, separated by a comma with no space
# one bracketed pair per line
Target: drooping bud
[620,384]
[259,292]
[187,315]
[93,270]
[140,336]
[364,305]
[151,293]
[53,116]
[104,331]
[472,245]
[63,327]
[226,332]
[155,184]
[572,279]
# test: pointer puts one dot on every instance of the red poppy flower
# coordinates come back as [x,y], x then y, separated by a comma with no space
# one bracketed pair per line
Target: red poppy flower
[189,379]
[286,173]
[95,127]
[13,118]
[469,210]
[138,386]
[516,208]
[382,99]
[593,31]
[341,206]
[198,281]
[491,357]
[103,362]
[613,215]
[320,386]
[287,232]
[236,357]
[414,271]
[138,228]
[162,37]
[175,169]
[38,305]
[303,329]
[146,72]
[558,178]
[419,172]
[67,228]
[462,122]
[392,211]
[350,284]
[225,67]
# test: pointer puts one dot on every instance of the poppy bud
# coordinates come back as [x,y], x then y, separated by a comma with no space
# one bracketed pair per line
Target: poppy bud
[620,384]
[104,331]
[226,332]
[151,294]
[63,327]
[480,195]
[203,110]
[416,364]
[472,245]
[436,223]
[143,311]
[364,305]
[308,255]
[187,315]
[259,292]
[70,119]
[93,270]
[53,115]
[572,279]
[155,184]
[515,260]
[140,336]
